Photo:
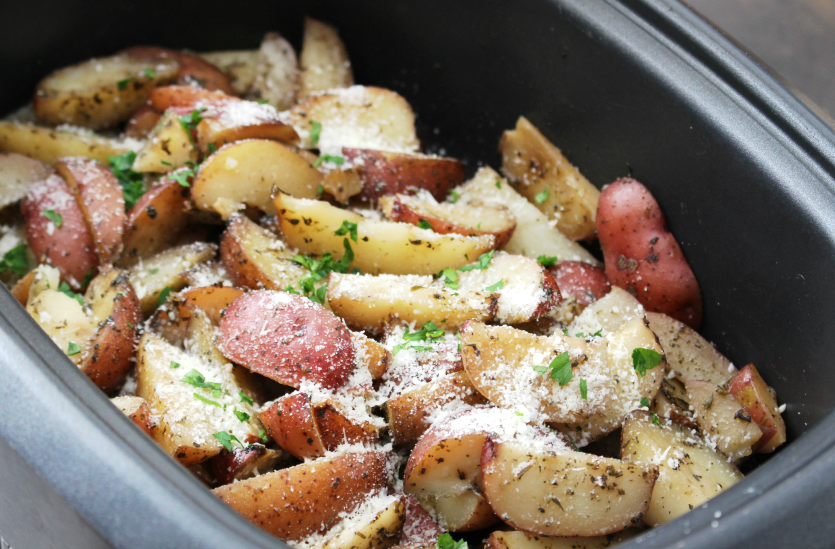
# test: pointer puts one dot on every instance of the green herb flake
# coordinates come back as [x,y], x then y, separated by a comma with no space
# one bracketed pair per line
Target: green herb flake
[423,224]
[481,264]
[174,365]
[315,132]
[520,414]
[338,160]
[428,332]
[212,148]
[245,398]
[560,369]
[320,269]
[450,277]
[163,296]
[154,271]
[495,287]
[348,228]
[319,191]
[445,541]
[598,333]
[242,416]
[227,439]
[87,278]
[206,400]
[547,260]
[123,84]
[56,218]
[454,196]
[15,260]
[498,184]
[73,348]
[645,359]
[150,73]
[189,123]
[132,183]
[64,288]
[130,325]
[263,434]
[542,196]
[656,419]
[644,402]
[584,389]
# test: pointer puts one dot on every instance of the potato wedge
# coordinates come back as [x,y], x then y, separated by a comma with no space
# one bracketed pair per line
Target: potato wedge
[290,422]
[102,92]
[168,147]
[174,323]
[48,145]
[137,411]
[256,258]
[534,235]
[229,120]
[690,356]
[100,198]
[276,72]
[418,356]
[381,246]
[371,302]
[540,172]
[564,493]
[300,501]
[342,184]
[522,540]
[607,314]
[192,70]
[338,427]
[142,122]
[190,411]
[376,524]
[760,401]
[408,414]
[384,173]
[462,513]
[152,276]
[371,355]
[238,65]
[418,526]
[57,231]
[163,98]
[244,463]
[584,282]
[459,218]
[246,172]
[155,222]
[324,60]
[359,117]
[17,174]
[690,472]
[722,419]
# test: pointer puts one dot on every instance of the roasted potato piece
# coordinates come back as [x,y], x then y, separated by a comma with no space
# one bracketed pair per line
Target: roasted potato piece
[371,302]
[339,427]
[459,218]
[276,72]
[381,246]
[152,276]
[287,338]
[690,356]
[690,472]
[564,493]
[418,526]
[522,540]
[48,145]
[324,60]
[17,174]
[238,65]
[229,120]
[142,122]
[192,70]
[188,395]
[722,419]
[642,256]
[57,231]
[540,172]
[246,172]
[99,195]
[760,401]
[168,147]
[462,513]
[291,424]
[384,173]
[102,92]
[584,282]
[304,500]
[256,258]
[174,324]
[137,411]
[188,97]
[244,463]
[534,235]
[607,314]
[359,117]
[380,520]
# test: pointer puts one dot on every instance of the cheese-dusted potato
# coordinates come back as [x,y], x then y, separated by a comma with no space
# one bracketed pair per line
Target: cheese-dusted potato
[17,174]
[48,144]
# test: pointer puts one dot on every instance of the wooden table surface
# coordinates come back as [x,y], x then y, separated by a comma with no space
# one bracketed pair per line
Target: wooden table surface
[795,38]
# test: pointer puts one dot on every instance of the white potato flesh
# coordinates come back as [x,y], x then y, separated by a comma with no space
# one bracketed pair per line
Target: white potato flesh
[239,66]
[17,173]
[462,513]
[522,540]
[167,148]
[151,276]
[607,314]
[690,356]
[690,471]
[48,144]
[276,72]
[722,419]
[376,524]
[535,235]
[564,493]
[381,246]
[324,59]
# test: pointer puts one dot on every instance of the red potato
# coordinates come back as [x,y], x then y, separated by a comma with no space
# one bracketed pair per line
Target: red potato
[586,283]
[156,220]
[383,173]
[142,122]
[173,322]
[290,422]
[228,120]
[443,218]
[300,501]
[462,513]
[642,256]
[419,526]
[137,410]
[722,420]
[70,248]
[163,98]
[243,463]
[760,401]
[287,338]
[100,197]
[337,428]
[193,70]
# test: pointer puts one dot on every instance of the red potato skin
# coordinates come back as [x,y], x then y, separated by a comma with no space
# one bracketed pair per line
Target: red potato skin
[142,418]
[291,424]
[642,256]
[142,122]
[552,290]
[402,213]
[70,248]
[100,197]
[287,338]
[194,70]
[165,97]
[743,386]
[587,283]
[384,173]
[336,429]
[227,465]
[154,223]
[418,526]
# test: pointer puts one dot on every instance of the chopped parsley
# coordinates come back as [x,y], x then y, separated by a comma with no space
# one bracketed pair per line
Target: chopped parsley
[320,269]
[87,278]
[212,148]
[450,278]
[150,73]
[227,439]
[130,325]
[520,414]
[319,190]
[481,264]
[494,287]
[196,380]
[498,184]
[598,333]
[560,369]
[15,260]
[542,196]
[123,84]
[154,271]
[656,419]
[423,224]
[206,400]
[454,196]
[174,365]
[263,434]
[73,348]
[547,260]
[584,389]
[56,218]
[348,228]
[445,541]
[64,288]
[163,296]
[645,359]
[338,160]
[182,175]
[428,332]
[132,183]
[242,416]
[315,132]
[245,398]
[645,402]
[190,121]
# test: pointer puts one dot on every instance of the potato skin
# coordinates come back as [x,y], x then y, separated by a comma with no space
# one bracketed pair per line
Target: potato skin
[70,247]
[155,221]
[587,283]
[642,256]
[193,70]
